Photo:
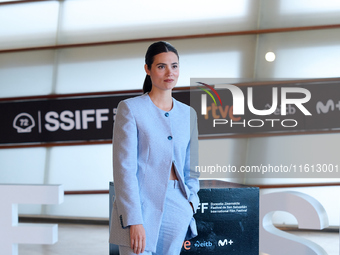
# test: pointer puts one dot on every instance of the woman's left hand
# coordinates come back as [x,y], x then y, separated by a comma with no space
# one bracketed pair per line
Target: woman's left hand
[137,238]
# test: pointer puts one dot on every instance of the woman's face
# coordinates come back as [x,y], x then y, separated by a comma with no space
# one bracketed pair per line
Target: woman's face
[164,71]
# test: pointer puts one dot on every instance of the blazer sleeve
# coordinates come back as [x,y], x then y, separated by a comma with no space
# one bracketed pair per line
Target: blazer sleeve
[125,143]
[191,161]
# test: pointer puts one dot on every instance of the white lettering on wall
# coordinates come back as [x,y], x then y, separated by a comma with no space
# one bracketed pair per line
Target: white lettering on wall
[12,233]
[309,213]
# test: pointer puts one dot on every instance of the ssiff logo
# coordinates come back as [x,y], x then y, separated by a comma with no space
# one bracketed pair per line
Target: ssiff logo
[238,105]
[23,123]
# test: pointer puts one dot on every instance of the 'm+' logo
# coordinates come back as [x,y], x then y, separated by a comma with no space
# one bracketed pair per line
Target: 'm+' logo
[225,242]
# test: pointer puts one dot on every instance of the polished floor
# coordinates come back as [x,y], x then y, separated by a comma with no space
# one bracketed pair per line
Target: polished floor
[81,239]
[73,239]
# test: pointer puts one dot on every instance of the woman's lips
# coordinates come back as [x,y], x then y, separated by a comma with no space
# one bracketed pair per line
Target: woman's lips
[169,80]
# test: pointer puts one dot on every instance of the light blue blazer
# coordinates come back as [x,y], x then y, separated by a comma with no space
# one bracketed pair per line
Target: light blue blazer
[146,142]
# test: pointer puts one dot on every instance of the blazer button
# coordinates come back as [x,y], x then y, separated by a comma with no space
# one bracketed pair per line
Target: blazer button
[169,137]
[166,114]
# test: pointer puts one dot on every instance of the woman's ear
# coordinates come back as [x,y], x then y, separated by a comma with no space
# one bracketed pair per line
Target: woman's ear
[146,69]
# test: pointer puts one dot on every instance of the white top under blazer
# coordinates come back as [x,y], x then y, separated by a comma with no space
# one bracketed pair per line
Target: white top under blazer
[146,142]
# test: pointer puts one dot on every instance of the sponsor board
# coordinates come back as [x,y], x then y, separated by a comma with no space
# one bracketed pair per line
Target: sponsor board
[238,110]
[227,220]
[227,109]
[70,119]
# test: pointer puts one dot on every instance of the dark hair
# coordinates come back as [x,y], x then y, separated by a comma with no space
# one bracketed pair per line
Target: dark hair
[153,50]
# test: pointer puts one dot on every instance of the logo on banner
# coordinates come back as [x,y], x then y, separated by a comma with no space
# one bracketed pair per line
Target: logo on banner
[225,242]
[203,244]
[23,123]
[325,108]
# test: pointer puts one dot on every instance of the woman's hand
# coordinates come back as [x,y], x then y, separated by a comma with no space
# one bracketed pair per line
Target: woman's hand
[137,238]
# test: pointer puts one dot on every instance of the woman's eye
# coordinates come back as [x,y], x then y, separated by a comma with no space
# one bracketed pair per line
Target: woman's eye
[175,66]
[160,67]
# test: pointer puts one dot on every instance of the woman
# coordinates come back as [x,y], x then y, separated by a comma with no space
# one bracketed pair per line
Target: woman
[155,151]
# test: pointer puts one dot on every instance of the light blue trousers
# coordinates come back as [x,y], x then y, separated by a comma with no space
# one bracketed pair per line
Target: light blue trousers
[175,222]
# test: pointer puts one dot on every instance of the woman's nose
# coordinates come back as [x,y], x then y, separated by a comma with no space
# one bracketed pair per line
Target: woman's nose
[168,71]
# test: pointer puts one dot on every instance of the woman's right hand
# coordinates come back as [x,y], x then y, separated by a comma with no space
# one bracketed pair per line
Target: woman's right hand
[137,238]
